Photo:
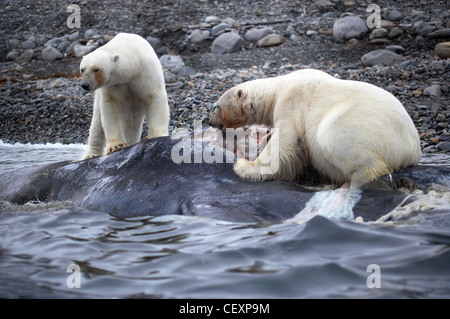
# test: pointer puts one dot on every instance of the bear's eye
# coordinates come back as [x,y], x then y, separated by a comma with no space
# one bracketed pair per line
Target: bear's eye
[96,70]
[82,71]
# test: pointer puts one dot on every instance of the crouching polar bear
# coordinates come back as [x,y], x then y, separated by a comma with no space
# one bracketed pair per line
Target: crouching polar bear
[129,86]
[351,132]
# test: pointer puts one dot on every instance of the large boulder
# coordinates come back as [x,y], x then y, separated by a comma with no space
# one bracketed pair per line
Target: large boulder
[227,43]
[349,27]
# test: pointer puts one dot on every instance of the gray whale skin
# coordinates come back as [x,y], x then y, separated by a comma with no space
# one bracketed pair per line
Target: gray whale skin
[143,180]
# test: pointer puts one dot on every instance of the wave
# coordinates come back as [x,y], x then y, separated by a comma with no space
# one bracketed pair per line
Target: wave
[38,146]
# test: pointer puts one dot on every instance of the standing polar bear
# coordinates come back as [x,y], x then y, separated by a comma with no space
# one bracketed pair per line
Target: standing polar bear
[129,86]
[348,131]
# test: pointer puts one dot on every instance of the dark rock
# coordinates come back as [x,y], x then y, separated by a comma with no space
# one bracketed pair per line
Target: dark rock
[28,45]
[396,48]
[154,42]
[51,54]
[423,28]
[173,63]
[186,71]
[440,34]
[444,146]
[198,36]
[90,33]
[380,57]
[395,32]
[227,43]
[378,33]
[12,55]
[434,90]
[395,15]
[219,29]
[256,34]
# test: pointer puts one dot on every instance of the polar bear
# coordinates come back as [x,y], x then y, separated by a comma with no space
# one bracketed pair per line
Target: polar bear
[129,86]
[351,132]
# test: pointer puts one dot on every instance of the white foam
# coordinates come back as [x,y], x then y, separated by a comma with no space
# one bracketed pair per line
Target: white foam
[336,203]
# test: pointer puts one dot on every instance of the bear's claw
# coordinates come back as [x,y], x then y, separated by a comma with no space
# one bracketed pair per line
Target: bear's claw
[116,147]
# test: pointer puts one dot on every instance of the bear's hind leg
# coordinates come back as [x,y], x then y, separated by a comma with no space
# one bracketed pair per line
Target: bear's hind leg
[157,114]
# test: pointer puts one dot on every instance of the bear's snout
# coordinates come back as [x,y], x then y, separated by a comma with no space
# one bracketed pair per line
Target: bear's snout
[86,86]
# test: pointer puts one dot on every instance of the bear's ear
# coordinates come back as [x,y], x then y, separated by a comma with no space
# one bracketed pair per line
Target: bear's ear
[240,93]
[115,58]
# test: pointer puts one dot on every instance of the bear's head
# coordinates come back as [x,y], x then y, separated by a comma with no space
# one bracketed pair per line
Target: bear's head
[235,108]
[96,68]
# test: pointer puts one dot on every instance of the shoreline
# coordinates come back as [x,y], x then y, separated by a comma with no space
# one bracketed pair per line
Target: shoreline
[42,101]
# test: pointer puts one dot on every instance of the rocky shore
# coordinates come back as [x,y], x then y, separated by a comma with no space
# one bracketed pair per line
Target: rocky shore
[207,47]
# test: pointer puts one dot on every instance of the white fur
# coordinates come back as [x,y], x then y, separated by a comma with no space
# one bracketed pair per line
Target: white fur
[133,89]
[349,131]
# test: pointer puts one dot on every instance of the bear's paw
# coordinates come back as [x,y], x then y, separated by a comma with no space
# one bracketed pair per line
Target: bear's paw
[116,147]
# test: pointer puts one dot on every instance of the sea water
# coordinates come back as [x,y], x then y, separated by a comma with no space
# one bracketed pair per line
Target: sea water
[57,250]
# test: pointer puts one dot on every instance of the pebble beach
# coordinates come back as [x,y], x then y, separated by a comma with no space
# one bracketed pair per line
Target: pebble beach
[206,47]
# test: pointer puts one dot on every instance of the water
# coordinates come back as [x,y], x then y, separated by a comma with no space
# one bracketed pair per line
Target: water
[191,257]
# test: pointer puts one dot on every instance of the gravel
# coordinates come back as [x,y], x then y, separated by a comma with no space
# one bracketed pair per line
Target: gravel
[42,100]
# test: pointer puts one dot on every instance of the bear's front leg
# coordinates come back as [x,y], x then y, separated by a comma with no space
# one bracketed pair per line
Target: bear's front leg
[283,158]
[114,146]
[113,117]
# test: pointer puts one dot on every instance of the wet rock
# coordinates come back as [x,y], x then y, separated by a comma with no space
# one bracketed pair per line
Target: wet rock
[445,33]
[442,50]
[271,40]
[433,90]
[395,15]
[380,57]
[51,54]
[423,28]
[349,27]
[256,34]
[227,43]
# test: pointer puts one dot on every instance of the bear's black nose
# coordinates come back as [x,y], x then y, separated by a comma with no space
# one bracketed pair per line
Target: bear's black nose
[86,86]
